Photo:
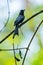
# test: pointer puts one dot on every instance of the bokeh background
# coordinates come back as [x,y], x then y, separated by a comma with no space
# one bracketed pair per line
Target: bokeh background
[35,54]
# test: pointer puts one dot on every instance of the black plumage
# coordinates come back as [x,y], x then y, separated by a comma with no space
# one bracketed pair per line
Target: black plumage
[18,21]
[20,18]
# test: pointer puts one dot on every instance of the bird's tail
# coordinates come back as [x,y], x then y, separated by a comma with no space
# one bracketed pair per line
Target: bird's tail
[13,36]
[16,32]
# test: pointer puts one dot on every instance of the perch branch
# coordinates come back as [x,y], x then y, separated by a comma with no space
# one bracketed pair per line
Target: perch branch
[13,49]
[21,25]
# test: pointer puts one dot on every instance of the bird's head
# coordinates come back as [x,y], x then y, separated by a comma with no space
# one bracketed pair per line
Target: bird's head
[22,12]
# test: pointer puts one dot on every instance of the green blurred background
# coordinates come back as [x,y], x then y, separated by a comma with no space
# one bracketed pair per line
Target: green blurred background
[35,54]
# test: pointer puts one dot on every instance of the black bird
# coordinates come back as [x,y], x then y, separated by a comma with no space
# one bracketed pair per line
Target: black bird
[18,21]
[20,18]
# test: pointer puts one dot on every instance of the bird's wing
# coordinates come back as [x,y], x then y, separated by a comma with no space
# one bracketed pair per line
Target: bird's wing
[19,18]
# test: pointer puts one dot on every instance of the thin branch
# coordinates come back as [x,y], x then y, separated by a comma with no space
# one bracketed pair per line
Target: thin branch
[6,37]
[13,49]
[8,16]
[21,25]
[31,41]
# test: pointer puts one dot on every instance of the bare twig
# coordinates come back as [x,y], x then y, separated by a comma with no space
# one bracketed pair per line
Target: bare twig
[8,13]
[8,16]
[31,41]
[13,49]
[21,25]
